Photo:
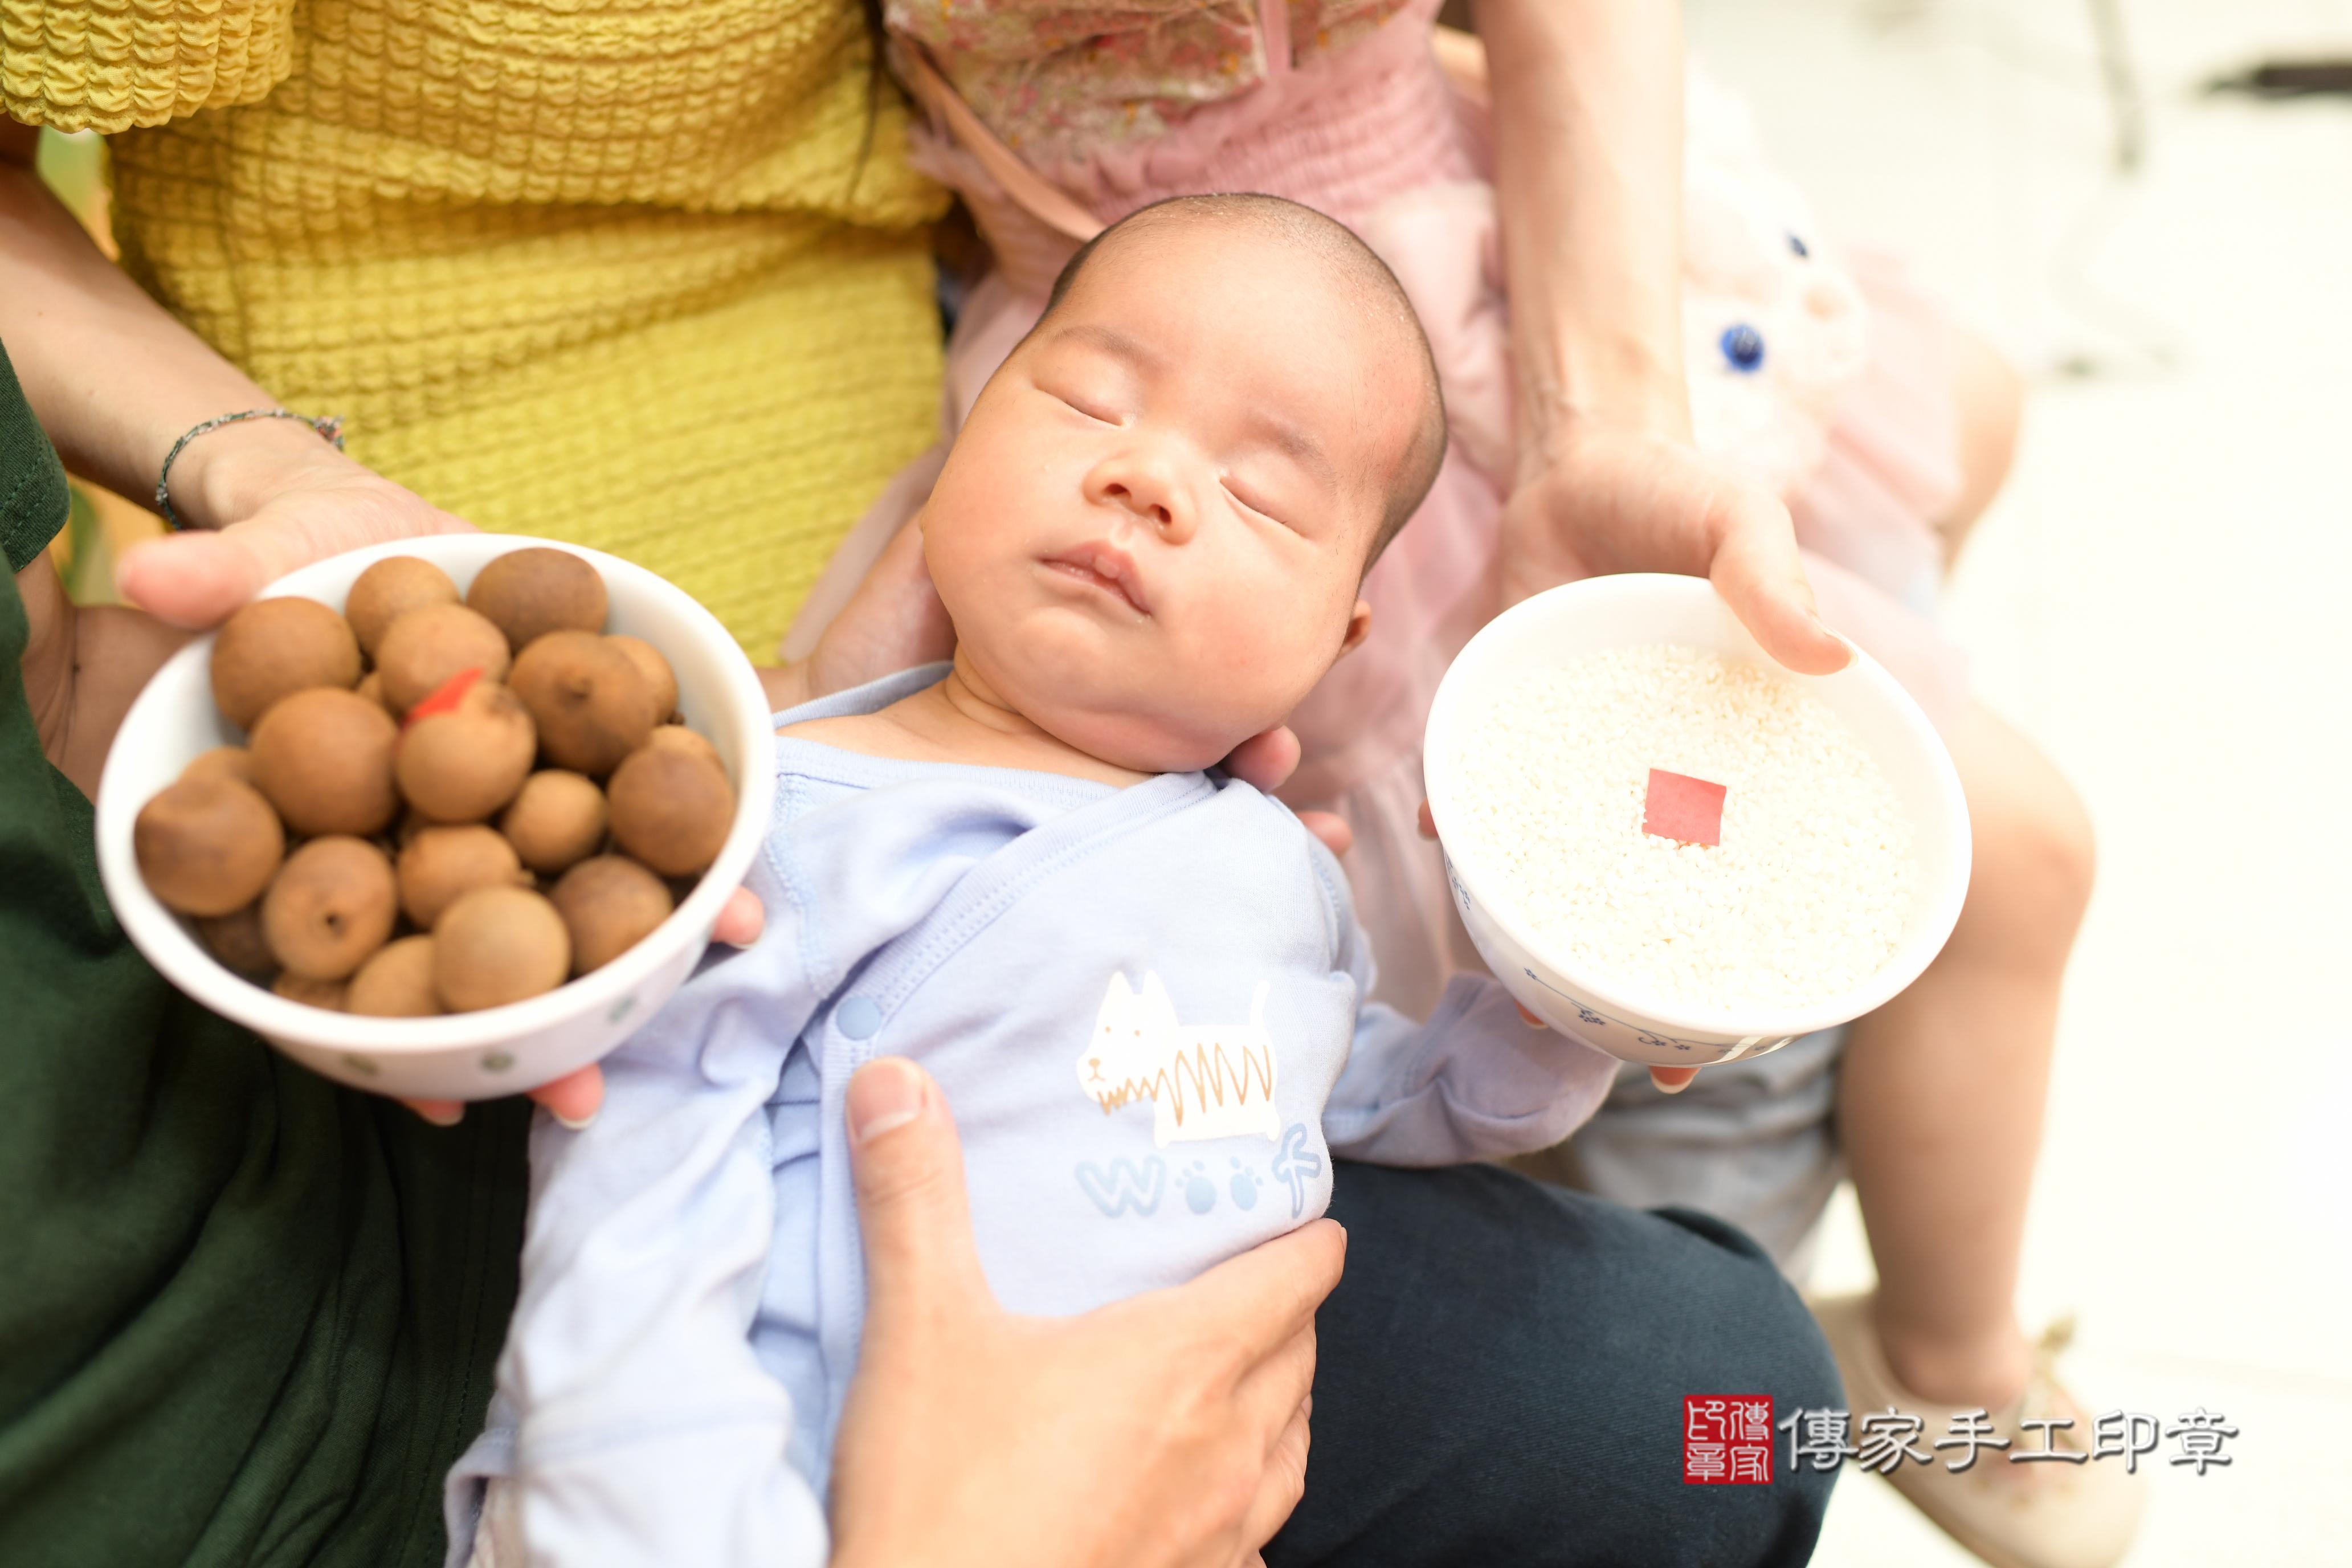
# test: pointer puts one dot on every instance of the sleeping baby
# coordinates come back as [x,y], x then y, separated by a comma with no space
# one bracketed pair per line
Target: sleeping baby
[1138,982]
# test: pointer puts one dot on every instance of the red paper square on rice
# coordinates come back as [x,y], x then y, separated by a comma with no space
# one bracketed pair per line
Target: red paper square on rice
[1683,808]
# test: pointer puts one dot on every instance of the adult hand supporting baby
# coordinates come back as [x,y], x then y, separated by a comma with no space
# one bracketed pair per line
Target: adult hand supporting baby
[1164,1431]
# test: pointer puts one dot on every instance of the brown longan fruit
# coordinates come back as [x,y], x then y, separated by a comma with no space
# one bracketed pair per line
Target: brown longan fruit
[221,762]
[330,906]
[236,940]
[273,648]
[659,678]
[557,820]
[207,845]
[327,993]
[422,650]
[531,593]
[591,706]
[462,765]
[440,864]
[389,590]
[609,905]
[324,759]
[397,983]
[671,809]
[371,687]
[496,945]
[678,737]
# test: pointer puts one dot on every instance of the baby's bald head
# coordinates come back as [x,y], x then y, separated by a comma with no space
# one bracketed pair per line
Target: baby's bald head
[1354,268]
[1152,530]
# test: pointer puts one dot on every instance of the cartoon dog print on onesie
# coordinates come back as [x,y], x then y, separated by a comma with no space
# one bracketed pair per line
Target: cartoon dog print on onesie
[1205,1080]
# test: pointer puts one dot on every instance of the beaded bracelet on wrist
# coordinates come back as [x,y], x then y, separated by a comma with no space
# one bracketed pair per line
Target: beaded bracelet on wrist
[330,427]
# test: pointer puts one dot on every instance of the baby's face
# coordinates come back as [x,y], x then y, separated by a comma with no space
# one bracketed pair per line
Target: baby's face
[1151,530]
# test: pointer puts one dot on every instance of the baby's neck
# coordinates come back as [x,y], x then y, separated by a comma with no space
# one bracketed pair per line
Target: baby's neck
[960,720]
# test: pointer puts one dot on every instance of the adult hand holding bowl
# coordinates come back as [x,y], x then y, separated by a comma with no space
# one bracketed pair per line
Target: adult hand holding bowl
[1552,952]
[502,1048]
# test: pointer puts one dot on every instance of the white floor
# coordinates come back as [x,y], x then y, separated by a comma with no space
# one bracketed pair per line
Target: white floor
[2160,598]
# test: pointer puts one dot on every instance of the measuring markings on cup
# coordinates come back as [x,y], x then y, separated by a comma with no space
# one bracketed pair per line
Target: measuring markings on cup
[1684,808]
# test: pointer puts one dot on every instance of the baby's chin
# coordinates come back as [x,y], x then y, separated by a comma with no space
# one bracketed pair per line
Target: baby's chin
[1137,739]
[1097,694]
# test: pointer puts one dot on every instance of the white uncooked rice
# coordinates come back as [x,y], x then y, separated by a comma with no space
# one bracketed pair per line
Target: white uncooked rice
[1805,897]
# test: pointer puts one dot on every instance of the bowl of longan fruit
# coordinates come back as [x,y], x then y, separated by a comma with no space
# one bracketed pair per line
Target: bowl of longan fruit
[443,819]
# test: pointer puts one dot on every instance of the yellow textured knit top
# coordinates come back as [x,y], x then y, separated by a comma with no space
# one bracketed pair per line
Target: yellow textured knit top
[642,274]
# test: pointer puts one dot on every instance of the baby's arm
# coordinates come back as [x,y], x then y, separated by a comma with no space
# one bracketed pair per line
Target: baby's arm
[647,1430]
[1475,1082]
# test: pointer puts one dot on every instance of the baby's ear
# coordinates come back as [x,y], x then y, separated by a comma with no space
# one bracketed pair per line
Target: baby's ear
[1359,626]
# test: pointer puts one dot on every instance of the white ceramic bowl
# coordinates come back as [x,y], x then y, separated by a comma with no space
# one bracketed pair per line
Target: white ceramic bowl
[462,1056]
[1603,613]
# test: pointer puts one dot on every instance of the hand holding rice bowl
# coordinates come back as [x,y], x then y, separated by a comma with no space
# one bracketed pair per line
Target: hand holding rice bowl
[1843,851]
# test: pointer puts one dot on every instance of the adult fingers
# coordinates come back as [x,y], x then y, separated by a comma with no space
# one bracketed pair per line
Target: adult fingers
[1265,760]
[1283,1481]
[1672,1080]
[1263,1300]
[1427,821]
[1331,828]
[1275,1387]
[1530,1019]
[741,920]
[908,1163]
[197,578]
[189,579]
[1757,570]
[575,1098]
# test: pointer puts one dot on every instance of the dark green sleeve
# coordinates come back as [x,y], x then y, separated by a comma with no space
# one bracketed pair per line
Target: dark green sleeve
[33,498]
[246,1316]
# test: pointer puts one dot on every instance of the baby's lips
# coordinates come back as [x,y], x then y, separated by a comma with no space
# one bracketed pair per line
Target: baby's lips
[1109,565]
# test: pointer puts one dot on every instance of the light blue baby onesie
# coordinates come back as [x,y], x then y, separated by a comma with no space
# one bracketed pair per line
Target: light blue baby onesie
[1140,1004]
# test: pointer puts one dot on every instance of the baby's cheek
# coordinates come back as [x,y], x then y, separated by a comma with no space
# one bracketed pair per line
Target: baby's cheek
[1271,662]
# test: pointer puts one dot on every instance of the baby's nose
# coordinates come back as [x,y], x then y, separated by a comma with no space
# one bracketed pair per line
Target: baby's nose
[1152,511]
[1145,480]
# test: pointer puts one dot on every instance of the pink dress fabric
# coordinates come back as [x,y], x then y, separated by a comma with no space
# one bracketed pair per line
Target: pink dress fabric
[1374,136]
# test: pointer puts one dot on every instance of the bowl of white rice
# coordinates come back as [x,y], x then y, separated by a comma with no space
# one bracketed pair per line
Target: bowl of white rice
[1670,846]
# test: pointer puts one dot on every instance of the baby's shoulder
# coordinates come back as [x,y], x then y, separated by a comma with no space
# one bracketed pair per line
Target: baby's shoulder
[1277,844]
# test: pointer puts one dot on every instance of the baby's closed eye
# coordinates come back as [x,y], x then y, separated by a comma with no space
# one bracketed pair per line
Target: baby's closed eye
[1251,499]
[1095,408]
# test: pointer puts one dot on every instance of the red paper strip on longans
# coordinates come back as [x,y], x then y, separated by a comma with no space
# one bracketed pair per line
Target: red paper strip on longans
[1684,808]
[446,698]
